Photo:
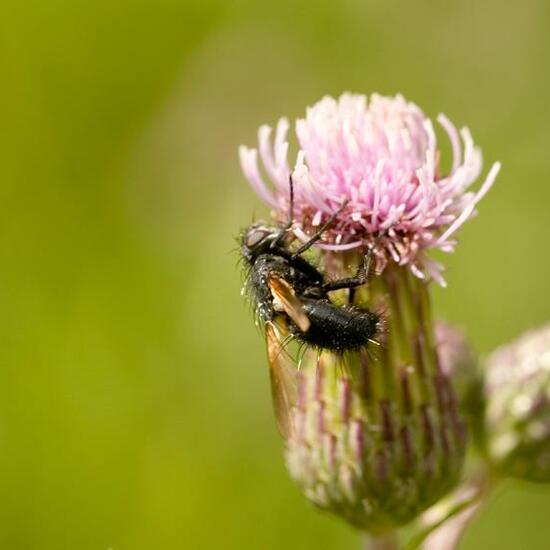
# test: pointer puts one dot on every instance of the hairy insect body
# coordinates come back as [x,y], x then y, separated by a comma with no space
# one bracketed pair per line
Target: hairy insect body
[268,267]
[291,299]
[283,284]
[337,328]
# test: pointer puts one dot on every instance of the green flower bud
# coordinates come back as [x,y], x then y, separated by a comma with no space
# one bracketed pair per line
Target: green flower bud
[516,425]
[377,436]
[459,362]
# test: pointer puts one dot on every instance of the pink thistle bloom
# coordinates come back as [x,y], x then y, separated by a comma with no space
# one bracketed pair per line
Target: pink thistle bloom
[382,158]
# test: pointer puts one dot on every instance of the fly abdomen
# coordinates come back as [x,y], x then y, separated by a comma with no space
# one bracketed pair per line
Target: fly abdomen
[337,328]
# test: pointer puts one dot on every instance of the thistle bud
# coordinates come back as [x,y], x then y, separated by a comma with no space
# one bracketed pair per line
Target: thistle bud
[459,363]
[378,437]
[516,424]
[376,434]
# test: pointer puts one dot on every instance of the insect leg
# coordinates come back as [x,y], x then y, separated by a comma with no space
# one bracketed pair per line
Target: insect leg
[301,354]
[361,277]
[320,232]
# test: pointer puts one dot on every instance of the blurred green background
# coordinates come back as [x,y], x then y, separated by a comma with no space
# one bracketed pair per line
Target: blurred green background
[134,400]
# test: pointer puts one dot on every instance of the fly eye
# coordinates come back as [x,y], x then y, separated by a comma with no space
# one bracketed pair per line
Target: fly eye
[255,237]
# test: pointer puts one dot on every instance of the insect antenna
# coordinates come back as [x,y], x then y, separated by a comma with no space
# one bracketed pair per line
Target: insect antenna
[291,202]
[280,236]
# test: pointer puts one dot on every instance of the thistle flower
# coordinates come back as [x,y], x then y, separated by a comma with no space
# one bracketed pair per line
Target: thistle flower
[516,424]
[380,156]
[377,435]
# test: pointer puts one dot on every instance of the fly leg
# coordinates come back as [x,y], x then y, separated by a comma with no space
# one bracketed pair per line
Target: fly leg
[360,278]
[307,245]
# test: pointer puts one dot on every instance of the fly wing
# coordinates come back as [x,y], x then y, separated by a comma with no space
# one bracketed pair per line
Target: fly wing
[282,374]
[285,297]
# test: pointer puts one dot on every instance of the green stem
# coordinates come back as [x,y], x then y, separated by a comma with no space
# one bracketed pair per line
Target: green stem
[416,541]
[457,512]
[386,542]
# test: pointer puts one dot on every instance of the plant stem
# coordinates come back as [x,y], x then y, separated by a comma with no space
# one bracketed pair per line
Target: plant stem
[386,542]
[446,522]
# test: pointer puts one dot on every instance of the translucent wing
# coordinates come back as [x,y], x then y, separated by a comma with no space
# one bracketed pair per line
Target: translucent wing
[286,300]
[282,374]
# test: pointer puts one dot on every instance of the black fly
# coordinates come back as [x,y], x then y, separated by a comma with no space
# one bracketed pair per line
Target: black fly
[291,298]
[283,283]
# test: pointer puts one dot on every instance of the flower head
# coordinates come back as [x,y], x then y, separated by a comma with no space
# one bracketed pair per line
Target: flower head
[380,159]
[374,435]
[516,425]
